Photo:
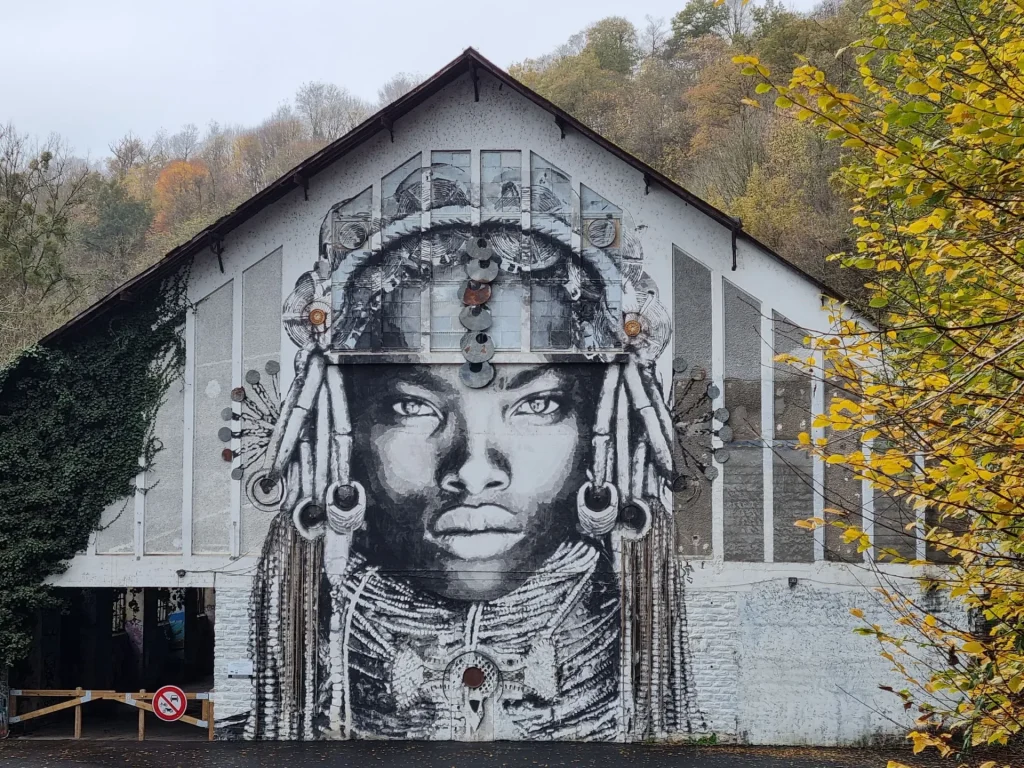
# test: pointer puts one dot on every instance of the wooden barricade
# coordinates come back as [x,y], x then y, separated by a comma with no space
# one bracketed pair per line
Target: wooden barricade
[78,697]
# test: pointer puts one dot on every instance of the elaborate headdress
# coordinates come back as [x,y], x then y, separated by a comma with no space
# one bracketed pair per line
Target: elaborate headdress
[578,265]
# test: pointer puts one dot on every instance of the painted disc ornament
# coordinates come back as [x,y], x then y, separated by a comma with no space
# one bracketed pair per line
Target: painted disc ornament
[476,375]
[632,327]
[474,293]
[601,232]
[351,235]
[477,347]
[482,270]
[478,249]
[265,493]
[476,318]
[318,316]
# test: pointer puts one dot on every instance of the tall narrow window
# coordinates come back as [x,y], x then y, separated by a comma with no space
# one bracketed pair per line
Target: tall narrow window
[892,515]
[211,493]
[793,468]
[844,497]
[743,467]
[691,407]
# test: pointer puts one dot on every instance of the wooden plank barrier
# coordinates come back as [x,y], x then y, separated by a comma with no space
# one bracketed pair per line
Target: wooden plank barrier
[77,697]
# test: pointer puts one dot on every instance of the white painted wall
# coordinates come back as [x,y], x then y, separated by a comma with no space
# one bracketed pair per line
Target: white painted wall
[771,663]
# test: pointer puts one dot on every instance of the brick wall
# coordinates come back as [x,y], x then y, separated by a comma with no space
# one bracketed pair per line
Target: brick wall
[771,663]
[231,641]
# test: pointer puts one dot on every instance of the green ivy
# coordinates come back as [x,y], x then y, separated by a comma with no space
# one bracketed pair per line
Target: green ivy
[76,417]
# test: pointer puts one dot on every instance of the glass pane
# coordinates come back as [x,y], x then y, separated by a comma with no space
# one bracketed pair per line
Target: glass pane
[743,473]
[445,328]
[449,180]
[501,176]
[843,490]
[550,316]
[401,190]
[692,408]
[506,307]
[211,489]
[400,317]
[261,343]
[793,478]
[550,187]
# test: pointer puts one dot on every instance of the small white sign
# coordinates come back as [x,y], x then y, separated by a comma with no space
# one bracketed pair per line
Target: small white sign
[240,668]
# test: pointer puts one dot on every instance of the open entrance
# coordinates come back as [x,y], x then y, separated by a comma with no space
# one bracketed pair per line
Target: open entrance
[126,640]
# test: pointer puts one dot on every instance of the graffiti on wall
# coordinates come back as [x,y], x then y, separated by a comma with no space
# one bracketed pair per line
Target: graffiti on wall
[470,472]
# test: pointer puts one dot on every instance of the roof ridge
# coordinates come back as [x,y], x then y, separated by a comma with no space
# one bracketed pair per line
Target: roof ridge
[467,61]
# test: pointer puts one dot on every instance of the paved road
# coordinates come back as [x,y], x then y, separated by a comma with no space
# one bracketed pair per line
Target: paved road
[21,753]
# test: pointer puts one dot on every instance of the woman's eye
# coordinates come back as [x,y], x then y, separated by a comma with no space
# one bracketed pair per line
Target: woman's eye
[538,406]
[413,409]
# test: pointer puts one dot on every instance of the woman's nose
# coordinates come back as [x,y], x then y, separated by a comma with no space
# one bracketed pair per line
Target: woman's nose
[480,468]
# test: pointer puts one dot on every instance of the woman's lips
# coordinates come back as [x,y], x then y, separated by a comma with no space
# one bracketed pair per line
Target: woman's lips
[476,533]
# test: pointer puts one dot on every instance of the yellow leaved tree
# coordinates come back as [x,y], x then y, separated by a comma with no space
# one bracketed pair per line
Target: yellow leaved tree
[932,403]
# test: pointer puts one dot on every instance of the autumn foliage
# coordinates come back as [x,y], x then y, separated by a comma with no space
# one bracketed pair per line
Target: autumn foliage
[933,386]
[178,192]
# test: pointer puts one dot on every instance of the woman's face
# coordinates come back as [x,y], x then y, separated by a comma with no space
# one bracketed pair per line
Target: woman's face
[470,489]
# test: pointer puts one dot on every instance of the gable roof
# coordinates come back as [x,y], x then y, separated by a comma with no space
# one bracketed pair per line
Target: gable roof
[471,62]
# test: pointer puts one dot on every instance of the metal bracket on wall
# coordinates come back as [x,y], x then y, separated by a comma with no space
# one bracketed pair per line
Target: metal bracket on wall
[389,125]
[217,246]
[303,182]
[561,125]
[476,80]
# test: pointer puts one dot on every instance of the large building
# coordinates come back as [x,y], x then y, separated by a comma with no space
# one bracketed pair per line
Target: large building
[480,436]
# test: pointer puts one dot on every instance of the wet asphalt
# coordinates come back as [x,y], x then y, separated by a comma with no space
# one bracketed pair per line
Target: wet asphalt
[26,753]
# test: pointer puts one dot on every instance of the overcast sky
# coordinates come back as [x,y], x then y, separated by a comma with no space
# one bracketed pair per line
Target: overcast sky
[92,70]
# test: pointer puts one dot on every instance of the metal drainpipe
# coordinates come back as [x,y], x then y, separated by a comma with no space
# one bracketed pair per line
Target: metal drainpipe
[737,227]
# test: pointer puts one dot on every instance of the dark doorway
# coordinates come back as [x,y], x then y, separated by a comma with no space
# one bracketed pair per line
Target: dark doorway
[118,639]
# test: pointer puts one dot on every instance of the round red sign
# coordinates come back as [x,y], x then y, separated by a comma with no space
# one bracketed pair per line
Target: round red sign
[169,703]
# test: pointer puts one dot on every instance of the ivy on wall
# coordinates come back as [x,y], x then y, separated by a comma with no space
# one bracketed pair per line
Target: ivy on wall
[76,417]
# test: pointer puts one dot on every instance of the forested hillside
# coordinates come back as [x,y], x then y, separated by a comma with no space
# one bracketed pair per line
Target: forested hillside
[70,231]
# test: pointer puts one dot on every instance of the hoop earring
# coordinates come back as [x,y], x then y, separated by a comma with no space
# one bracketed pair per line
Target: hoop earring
[308,518]
[346,507]
[597,508]
[634,520]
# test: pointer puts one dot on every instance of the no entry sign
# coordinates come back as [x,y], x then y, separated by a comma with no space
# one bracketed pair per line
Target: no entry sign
[169,703]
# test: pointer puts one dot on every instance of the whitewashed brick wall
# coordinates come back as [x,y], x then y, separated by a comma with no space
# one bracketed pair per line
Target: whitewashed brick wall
[771,663]
[231,640]
[712,623]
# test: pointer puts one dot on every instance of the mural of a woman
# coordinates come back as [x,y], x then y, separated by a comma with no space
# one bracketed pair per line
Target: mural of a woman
[476,551]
